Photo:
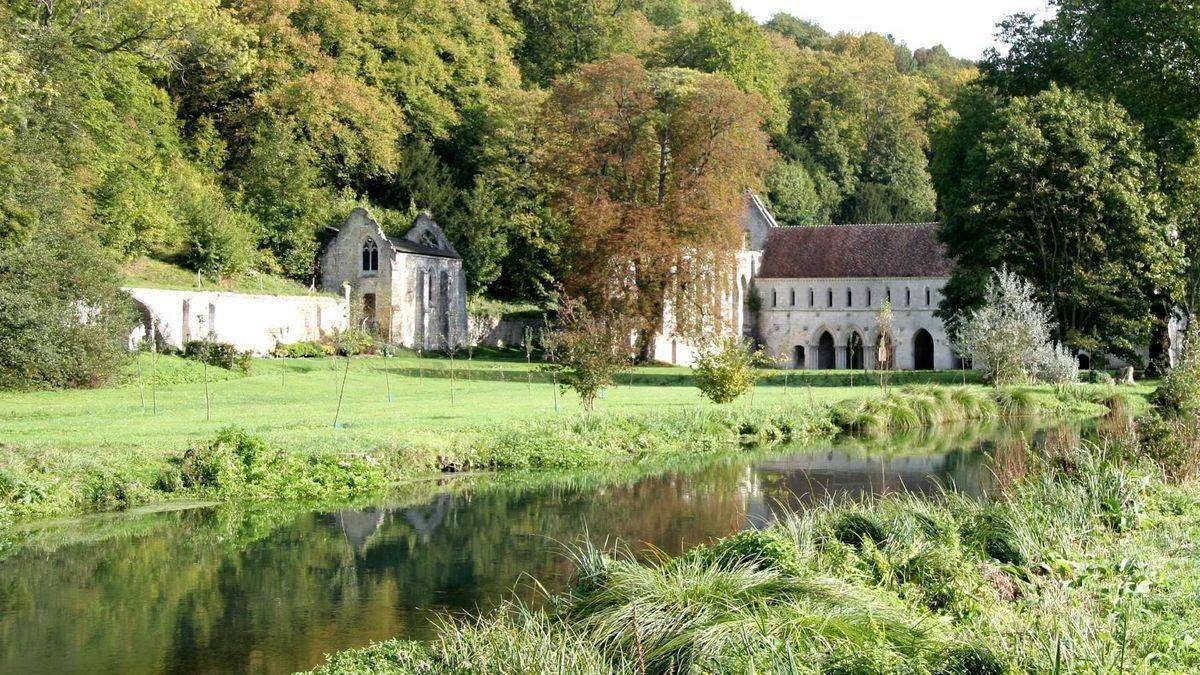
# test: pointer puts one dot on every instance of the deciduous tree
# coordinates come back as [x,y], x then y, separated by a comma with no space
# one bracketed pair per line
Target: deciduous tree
[651,166]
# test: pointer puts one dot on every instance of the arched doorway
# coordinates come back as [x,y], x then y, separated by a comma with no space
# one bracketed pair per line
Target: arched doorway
[923,350]
[826,354]
[798,359]
[1085,362]
[854,352]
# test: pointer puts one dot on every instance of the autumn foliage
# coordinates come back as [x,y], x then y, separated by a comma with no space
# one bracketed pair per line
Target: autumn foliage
[651,165]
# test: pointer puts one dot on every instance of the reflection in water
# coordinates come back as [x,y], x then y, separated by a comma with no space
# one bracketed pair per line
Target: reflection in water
[267,589]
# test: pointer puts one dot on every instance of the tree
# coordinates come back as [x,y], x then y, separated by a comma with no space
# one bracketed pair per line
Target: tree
[803,33]
[885,320]
[794,195]
[1009,335]
[732,44]
[725,368]
[1059,188]
[63,318]
[590,349]
[855,124]
[650,169]
[1142,54]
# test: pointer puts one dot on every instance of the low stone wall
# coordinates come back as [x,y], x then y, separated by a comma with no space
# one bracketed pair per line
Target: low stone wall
[509,332]
[254,323]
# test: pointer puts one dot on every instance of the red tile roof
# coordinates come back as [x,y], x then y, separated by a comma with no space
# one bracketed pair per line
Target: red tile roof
[854,251]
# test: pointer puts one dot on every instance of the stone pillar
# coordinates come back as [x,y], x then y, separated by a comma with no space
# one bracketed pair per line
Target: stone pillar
[842,358]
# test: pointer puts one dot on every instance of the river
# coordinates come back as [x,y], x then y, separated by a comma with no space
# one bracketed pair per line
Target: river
[271,588]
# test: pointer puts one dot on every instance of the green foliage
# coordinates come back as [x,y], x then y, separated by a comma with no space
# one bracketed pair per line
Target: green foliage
[1179,394]
[726,369]
[219,354]
[587,350]
[237,465]
[1007,170]
[355,341]
[63,319]
[794,195]
[301,350]
[1034,580]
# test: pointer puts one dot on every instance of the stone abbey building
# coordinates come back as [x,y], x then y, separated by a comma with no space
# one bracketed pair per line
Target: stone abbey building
[411,290]
[809,295]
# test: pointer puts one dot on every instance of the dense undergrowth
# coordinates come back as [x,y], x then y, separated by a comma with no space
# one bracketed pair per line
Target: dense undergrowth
[1086,561]
[236,465]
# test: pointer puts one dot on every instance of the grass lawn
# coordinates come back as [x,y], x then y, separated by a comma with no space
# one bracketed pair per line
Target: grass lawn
[292,402]
[399,417]
[151,273]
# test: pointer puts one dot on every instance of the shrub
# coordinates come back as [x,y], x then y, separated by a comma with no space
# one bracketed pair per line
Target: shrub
[106,489]
[1099,377]
[1058,367]
[355,341]
[725,369]
[1179,393]
[300,350]
[63,318]
[219,354]
[1009,336]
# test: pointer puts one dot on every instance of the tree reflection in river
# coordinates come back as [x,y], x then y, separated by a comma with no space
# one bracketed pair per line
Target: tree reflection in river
[269,589]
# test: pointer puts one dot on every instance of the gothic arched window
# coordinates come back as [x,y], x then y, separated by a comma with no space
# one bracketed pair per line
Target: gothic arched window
[370,256]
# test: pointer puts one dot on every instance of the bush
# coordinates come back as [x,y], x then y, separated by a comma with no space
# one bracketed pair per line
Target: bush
[302,350]
[219,354]
[355,341]
[725,369]
[64,321]
[1099,377]
[1058,367]
[1179,393]
[108,489]
[1009,336]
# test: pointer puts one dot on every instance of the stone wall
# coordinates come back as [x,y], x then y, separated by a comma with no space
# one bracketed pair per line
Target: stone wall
[255,323]
[509,332]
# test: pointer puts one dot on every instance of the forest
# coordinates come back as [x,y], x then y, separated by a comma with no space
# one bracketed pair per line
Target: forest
[228,135]
[225,136]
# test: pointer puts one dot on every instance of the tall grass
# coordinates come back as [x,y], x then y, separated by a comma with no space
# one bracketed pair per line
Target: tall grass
[1082,563]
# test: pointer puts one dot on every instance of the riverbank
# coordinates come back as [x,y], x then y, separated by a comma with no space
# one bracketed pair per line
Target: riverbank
[1088,561]
[274,458]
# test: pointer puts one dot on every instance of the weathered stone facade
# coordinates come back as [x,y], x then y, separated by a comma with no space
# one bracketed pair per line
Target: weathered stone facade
[411,290]
[809,295]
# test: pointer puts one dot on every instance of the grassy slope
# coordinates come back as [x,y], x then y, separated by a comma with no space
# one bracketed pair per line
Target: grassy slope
[150,273]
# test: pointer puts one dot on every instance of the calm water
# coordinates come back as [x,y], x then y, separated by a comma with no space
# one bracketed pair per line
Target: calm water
[269,589]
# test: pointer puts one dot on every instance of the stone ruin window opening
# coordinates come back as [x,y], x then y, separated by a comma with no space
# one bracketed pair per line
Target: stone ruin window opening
[370,256]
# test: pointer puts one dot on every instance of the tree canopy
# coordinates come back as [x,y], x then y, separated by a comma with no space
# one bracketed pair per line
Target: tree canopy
[1060,188]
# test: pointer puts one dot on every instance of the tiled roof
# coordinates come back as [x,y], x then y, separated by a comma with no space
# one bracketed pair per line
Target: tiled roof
[854,251]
